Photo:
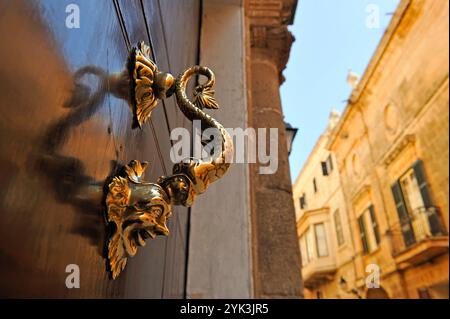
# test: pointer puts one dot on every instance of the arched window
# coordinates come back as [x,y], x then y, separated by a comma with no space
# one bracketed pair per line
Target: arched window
[377,293]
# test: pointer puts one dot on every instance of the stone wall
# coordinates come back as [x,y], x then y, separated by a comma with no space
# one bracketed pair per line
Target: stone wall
[276,255]
[397,115]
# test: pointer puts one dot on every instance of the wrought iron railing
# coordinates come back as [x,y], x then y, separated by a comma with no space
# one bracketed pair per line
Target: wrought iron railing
[423,223]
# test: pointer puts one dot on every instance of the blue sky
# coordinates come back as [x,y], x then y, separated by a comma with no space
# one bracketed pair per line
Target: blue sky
[331,38]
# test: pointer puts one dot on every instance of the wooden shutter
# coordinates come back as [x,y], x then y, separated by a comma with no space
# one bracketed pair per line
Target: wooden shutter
[374,224]
[324,168]
[362,231]
[405,220]
[423,185]
[330,162]
[433,215]
[302,202]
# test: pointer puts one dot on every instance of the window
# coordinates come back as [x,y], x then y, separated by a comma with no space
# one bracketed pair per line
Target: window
[362,233]
[327,166]
[403,215]
[417,216]
[369,231]
[321,240]
[315,185]
[325,171]
[338,228]
[411,191]
[330,163]
[313,243]
[374,223]
[310,243]
[303,201]
[306,246]
[303,250]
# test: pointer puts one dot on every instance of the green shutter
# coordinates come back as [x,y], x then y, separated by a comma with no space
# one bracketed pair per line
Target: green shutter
[324,168]
[433,214]
[375,227]
[405,220]
[303,201]
[362,231]
[423,185]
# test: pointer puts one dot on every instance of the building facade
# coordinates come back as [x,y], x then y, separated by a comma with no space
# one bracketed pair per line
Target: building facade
[56,166]
[322,221]
[392,154]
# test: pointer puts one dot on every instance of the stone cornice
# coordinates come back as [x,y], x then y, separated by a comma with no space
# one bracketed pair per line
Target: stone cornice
[269,35]
[397,148]
[271,12]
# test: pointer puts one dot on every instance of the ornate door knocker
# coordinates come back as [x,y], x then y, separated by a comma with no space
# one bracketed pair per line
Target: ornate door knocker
[139,210]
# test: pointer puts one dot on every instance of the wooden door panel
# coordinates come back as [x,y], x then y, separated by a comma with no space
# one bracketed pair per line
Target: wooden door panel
[54,142]
[163,25]
[151,262]
[59,130]
[136,14]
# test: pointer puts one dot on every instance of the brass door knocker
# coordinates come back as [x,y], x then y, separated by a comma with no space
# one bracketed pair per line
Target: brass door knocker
[139,210]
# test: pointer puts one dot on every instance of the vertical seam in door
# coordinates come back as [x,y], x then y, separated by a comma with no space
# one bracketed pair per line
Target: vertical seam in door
[163,30]
[188,226]
[127,42]
[168,127]
[158,148]
[156,62]
[122,24]
[178,224]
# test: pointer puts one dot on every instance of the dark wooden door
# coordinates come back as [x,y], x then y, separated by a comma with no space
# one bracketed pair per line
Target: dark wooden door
[61,131]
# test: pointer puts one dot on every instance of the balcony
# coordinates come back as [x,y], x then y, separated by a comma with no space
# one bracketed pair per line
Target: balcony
[419,238]
[318,271]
